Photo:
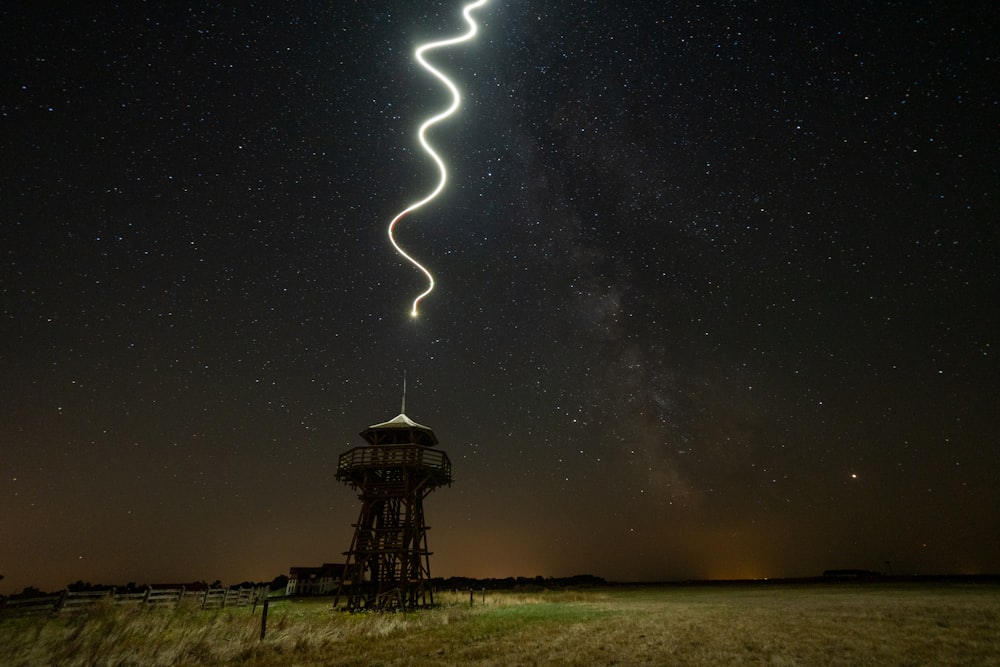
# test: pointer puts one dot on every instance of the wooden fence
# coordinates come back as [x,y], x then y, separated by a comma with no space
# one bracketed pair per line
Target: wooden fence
[70,601]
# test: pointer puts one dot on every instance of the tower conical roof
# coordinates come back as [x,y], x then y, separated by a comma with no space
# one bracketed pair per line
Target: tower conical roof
[400,430]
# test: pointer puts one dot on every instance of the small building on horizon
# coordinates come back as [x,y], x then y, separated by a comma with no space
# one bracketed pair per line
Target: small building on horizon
[322,580]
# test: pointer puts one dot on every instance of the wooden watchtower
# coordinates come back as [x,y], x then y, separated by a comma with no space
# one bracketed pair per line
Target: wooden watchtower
[388,564]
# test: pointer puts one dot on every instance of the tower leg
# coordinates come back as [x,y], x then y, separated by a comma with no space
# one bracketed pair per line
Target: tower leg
[390,547]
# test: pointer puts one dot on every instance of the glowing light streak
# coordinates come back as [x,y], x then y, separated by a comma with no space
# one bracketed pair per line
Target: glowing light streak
[456,101]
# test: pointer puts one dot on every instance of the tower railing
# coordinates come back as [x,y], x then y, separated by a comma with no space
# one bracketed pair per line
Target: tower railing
[353,463]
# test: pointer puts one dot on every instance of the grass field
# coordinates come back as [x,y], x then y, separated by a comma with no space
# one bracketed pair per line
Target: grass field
[872,624]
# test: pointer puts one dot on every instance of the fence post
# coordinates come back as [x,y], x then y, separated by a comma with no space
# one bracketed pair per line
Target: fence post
[263,620]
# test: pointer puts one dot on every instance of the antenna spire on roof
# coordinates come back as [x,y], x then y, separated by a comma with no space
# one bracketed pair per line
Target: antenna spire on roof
[402,409]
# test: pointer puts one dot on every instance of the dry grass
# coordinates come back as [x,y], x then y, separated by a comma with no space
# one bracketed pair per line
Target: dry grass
[757,625]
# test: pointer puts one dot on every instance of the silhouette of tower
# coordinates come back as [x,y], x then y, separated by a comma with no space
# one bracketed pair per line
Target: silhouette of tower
[388,564]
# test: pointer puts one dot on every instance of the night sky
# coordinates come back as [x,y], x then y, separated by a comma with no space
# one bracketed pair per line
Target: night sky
[717,286]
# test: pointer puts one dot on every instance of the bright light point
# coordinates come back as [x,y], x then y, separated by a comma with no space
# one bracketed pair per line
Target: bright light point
[456,101]
[854,475]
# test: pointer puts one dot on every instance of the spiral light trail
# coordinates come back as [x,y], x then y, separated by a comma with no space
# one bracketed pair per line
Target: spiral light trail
[421,134]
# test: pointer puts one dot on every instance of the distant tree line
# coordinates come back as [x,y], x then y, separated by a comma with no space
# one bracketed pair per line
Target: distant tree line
[513,583]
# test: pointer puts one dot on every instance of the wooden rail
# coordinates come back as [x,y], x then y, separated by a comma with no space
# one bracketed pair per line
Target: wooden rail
[70,601]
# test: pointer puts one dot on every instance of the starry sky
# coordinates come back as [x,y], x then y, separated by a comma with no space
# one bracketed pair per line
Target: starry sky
[717,285]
